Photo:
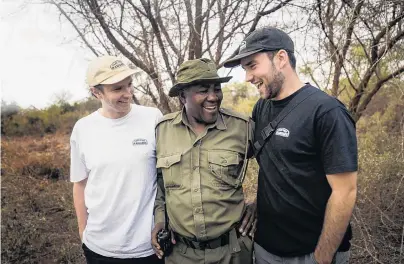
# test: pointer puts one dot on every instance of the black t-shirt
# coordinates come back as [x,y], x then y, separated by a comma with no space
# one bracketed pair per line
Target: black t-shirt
[316,138]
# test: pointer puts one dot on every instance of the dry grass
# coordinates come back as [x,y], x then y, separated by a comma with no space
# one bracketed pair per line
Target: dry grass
[40,157]
[378,219]
[38,221]
[39,225]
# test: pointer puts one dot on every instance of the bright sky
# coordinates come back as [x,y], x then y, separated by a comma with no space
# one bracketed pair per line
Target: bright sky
[39,56]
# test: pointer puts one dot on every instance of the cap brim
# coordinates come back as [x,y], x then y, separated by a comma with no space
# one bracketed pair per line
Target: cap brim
[175,90]
[119,77]
[235,61]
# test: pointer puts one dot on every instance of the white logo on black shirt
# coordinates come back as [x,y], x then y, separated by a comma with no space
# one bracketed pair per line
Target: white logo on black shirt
[283,132]
[139,141]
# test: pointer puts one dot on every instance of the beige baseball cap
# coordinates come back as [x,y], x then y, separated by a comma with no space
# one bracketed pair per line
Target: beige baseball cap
[107,70]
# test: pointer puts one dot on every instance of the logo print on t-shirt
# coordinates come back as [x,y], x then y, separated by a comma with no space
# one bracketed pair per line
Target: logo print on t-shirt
[283,132]
[139,141]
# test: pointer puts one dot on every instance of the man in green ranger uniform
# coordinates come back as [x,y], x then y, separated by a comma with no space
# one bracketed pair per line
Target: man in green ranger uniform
[202,153]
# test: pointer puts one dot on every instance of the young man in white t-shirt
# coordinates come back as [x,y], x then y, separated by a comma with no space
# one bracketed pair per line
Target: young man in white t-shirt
[113,168]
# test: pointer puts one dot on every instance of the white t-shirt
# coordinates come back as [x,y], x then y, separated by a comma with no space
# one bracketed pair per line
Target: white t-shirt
[118,156]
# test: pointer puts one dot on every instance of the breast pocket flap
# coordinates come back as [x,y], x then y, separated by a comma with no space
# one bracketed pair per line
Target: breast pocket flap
[223,158]
[167,162]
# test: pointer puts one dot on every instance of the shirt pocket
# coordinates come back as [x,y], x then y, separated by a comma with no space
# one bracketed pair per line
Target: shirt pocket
[171,169]
[225,166]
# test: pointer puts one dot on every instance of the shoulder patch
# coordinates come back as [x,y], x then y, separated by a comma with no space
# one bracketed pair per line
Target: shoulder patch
[234,114]
[167,117]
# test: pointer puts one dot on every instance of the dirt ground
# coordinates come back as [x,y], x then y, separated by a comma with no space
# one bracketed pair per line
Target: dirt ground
[38,223]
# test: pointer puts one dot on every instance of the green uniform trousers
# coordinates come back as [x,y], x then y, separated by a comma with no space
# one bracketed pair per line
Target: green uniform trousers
[238,251]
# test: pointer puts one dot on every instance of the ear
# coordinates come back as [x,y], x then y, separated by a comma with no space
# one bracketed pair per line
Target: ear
[95,92]
[283,58]
[182,97]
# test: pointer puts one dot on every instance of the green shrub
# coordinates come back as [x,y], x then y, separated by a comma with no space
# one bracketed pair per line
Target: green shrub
[57,117]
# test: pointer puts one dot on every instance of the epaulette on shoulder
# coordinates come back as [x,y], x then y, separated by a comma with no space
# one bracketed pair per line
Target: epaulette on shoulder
[167,117]
[234,114]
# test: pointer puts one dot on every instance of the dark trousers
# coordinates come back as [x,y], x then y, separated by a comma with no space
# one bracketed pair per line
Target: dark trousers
[94,258]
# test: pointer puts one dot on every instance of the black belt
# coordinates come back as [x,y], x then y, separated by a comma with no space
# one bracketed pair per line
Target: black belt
[221,241]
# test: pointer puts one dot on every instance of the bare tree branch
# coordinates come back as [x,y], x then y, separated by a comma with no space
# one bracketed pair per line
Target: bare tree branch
[157,35]
[198,29]
[265,13]
[382,33]
[163,29]
[136,8]
[376,88]
[256,20]
[156,31]
[95,9]
[61,10]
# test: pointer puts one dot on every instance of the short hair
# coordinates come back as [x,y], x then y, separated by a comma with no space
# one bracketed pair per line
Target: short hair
[99,87]
[291,56]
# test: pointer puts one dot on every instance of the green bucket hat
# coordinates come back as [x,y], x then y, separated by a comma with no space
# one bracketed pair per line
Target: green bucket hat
[196,71]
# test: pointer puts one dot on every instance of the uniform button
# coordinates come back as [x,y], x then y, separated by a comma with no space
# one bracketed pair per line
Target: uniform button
[196,190]
[234,249]
[224,161]
[167,163]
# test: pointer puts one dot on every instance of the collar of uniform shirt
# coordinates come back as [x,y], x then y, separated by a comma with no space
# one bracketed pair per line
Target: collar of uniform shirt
[219,124]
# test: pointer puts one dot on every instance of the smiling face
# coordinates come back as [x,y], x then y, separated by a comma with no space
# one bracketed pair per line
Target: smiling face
[115,98]
[261,70]
[202,102]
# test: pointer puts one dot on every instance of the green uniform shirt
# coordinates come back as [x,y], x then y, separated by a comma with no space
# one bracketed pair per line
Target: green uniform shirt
[202,174]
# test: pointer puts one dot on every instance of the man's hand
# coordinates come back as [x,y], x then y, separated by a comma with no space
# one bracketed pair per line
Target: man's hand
[322,259]
[249,222]
[157,249]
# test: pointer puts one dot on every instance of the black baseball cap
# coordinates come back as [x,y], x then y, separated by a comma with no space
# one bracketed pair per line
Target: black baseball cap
[264,39]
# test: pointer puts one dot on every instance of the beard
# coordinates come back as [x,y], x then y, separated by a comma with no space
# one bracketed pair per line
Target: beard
[274,87]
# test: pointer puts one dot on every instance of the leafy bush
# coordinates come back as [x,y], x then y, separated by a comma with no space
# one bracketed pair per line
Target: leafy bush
[58,117]
[378,219]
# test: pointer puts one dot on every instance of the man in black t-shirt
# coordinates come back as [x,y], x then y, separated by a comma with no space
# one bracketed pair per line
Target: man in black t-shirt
[307,181]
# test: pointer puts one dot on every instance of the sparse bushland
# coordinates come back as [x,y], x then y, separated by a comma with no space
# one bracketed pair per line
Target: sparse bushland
[38,220]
